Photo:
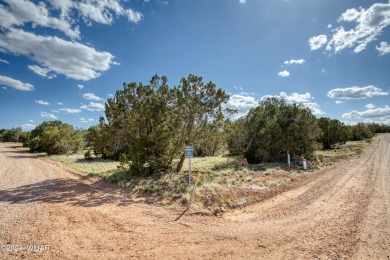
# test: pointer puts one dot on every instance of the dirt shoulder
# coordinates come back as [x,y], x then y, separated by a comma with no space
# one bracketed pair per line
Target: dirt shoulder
[342,211]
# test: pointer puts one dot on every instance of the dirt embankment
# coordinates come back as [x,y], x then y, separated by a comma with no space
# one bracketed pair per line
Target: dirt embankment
[339,212]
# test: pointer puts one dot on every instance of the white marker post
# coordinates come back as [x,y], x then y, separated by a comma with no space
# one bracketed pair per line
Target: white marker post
[189,154]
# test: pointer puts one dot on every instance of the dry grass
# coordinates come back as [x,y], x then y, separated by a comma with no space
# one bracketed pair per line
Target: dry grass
[211,163]
[224,184]
[329,156]
[77,162]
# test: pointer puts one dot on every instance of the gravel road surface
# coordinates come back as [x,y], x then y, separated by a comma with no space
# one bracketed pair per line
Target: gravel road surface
[339,212]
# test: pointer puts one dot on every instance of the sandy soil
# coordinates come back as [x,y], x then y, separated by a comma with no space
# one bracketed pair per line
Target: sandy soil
[341,212]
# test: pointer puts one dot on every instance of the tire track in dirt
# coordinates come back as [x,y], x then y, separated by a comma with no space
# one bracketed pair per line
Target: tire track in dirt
[341,212]
[375,235]
[325,215]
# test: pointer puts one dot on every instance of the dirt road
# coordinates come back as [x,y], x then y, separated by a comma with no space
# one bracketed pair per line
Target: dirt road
[341,212]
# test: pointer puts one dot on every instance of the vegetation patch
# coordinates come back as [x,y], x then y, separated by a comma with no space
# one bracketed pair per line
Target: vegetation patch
[95,166]
[327,157]
[147,126]
[224,184]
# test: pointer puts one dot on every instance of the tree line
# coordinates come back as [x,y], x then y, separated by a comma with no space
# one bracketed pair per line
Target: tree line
[147,126]
[52,137]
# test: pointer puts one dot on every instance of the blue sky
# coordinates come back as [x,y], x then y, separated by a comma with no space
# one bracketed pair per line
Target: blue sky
[61,59]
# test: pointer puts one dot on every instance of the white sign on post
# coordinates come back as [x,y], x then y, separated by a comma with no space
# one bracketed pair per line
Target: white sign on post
[189,154]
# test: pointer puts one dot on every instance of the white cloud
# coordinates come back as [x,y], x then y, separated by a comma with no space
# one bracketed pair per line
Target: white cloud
[64,6]
[383,48]
[284,73]
[369,25]
[105,11]
[45,114]
[241,103]
[19,12]
[242,92]
[72,59]
[304,99]
[317,42]
[70,110]
[370,106]
[242,1]
[28,126]
[80,86]
[55,111]
[41,102]
[14,83]
[314,107]
[349,15]
[31,121]
[54,54]
[293,98]
[93,106]
[339,102]
[356,92]
[372,114]
[84,120]
[90,96]
[4,61]
[289,62]
[329,26]
[60,103]
[41,71]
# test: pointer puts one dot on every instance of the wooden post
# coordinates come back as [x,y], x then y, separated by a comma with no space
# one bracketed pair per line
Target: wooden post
[191,198]
[189,171]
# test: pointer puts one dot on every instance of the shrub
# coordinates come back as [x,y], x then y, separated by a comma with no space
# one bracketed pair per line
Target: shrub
[55,137]
[273,129]
[88,155]
[34,144]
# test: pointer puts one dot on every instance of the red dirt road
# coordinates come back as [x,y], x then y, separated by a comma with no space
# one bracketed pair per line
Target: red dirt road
[341,212]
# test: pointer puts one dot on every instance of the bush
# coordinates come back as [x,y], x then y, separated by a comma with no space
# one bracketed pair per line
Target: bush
[11,135]
[123,161]
[34,144]
[273,129]
[24,138]
[334,132]
[361,132]
[56,137]
[88,155]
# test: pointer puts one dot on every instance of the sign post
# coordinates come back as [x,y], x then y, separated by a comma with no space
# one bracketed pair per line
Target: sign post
[288,160]
[189,154]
